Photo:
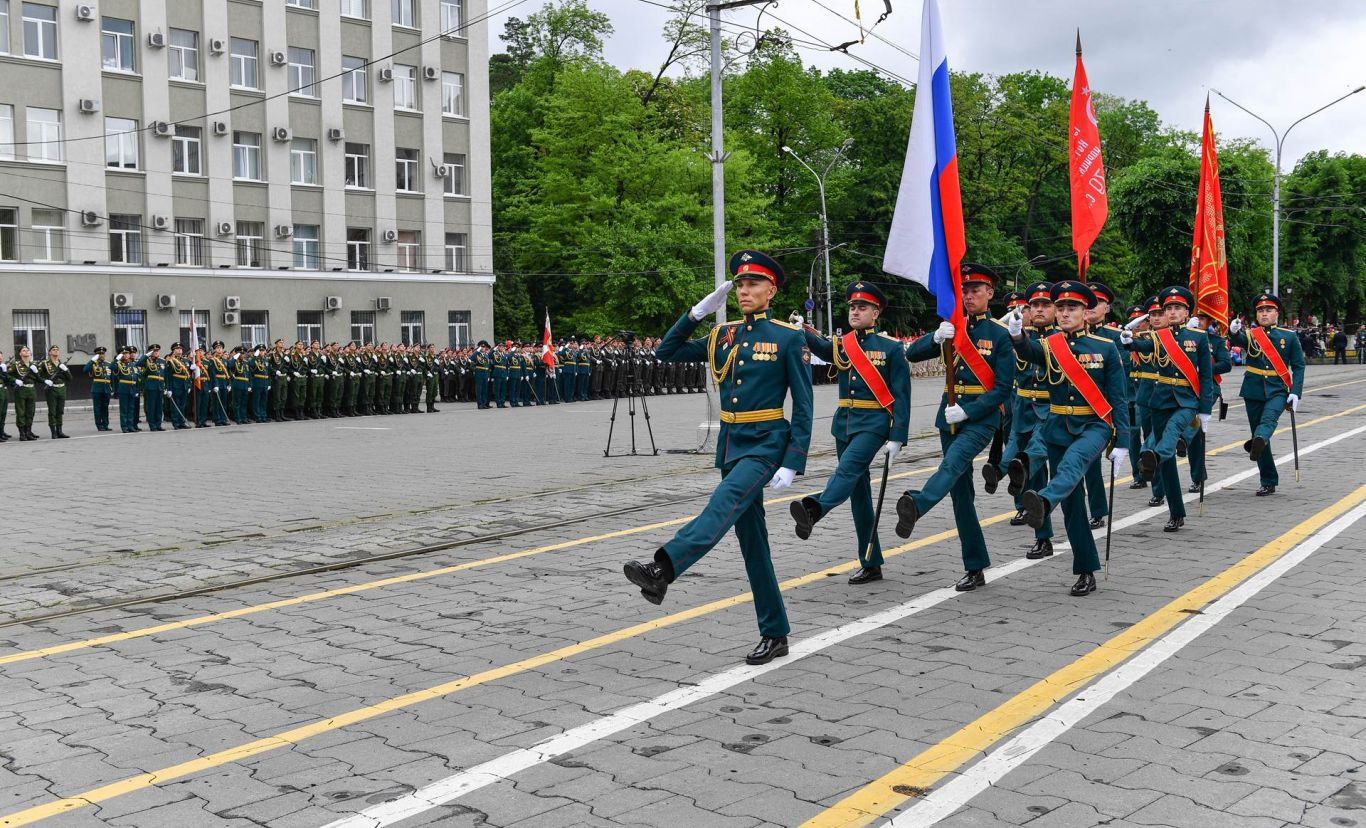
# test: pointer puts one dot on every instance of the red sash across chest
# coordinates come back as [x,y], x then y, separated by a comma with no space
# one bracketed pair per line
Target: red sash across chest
[1078,376]
[1179,359]
[1272,355]
[867,370]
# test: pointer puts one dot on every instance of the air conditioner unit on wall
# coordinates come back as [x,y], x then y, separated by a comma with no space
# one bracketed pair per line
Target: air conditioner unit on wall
[121,300]
[336,134]
[333,303]
[385,74]
[383,303]
[431,72]
[162,128]
[216,45]
[85,11]
[161,222]
[282,134]
[284,231]
[165,301]
[231,317]
[220,127]
[391,235]
[156,40]
[232,303]
[277,58]
[90,218]
[225,228]
[443,170]
[89,105]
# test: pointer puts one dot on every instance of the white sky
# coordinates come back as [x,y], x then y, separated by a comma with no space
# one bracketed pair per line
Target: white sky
[1280,59]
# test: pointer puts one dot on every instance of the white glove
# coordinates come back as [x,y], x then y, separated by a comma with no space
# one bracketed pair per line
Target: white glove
[1235,325]
[1194,324]
[1134,323]
[33,366]
[1294,402]
[943,333]
[1014,322]
[1126,336]
[48,383]
[1204,421]
[64,368]
[277,373]
[796,319]
[891,448]
[168,394]
[312,370]
[711,303]
[194,369]
[955,414]
[1118,455]
[782,479]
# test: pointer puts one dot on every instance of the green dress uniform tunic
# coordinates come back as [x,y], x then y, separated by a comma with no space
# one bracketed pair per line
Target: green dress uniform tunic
[22,375]
[1097,502]
[500,379]
[129,375]
[221,377]
[1263,391]
[178,382]
[240,365]
[480,364]
[1145,379]
[101,391]
[154,390]
[1195,448]
[1028,412]
[758,362]
[317,382]
[53,374]
[260,387]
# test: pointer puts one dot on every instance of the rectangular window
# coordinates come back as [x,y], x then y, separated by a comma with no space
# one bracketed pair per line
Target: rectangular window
[185,150]
[355,8]
[4,27]
[243,62]
[452,93]
[302,4]
[40,31]
[194,330]
[410,327]
[48,229]
[363,327]
[409,251]
[6,131]
[301,72]
[405,13]
[405,86]
[125,239]
[116,44]
[246,156]
[357,248]
[457,252]
[189,242]
[130,328]
[183,54]
[121,143]
[308,326]
[9,234]
[407,171]
[303,161]
[30,331]
[44,135]
[454,183]
[452,17]
[251,244]
[255,328]
[458,328]
[355,80]
[306,246]
[358,165]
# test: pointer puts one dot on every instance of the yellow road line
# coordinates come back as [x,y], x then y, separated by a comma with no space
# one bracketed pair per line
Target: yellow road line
[972,740]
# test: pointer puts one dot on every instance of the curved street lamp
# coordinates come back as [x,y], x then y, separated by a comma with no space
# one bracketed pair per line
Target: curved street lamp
[825,224]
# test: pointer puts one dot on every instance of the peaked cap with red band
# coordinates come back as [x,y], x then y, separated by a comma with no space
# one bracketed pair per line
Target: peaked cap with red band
[1102,292]
[1039,290]
[1154,305]
[751,264]
[1178,295]
[1072,291]
[865,292]
[977,273]
[1015,299]
[1267,299]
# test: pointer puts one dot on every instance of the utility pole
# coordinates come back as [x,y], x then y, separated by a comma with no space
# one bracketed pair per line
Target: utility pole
[825,223]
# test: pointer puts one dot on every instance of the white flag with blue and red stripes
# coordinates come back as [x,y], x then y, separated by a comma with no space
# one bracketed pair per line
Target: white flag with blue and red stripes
[927,243]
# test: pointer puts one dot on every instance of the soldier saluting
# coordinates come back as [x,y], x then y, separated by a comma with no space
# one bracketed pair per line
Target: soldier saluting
[1274,380]
[757,362]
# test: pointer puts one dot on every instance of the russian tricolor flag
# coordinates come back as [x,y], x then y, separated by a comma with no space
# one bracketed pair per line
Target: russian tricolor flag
[926,243]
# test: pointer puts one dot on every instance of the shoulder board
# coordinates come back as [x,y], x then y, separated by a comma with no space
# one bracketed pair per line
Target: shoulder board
[1287,330]
[784,324]
[1002,324]
[731,324]
[1098,336]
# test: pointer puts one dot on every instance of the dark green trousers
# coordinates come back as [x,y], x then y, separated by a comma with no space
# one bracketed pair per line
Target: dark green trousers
[56,406]
[953,479]
[850,482]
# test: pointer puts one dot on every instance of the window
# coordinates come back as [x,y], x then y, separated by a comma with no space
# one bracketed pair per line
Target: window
[6,130]
[302,4]
[452,93]
[40,31]
[44,135]
[4,27]
[185,150]
[116,44]
[406,170]
[121,143]
[250,243]
[405,86]
[9,234]
[410,327]
[458,328]
[301,72]
[194,330]
[356,80]
[255,328]
[457,252]
[357,248]
[309,326]
[183,54]
[405,13]
[48,227]
[452,17]
[189,242]
[358,165]
[303,161]
[454,183]
[30,331]
[409,251]
[243,63]
[355,8]
[363,327]
[130,328]
[125,239]
[246,156]
[306,246]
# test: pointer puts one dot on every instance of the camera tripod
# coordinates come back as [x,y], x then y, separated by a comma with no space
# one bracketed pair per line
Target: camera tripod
[630,408]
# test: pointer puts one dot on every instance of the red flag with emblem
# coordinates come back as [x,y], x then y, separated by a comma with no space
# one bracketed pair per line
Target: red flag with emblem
[1085,169]
[1209,263]
[547,351]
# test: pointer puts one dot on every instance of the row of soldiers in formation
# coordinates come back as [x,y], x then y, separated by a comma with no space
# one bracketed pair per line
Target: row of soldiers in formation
[1079,390]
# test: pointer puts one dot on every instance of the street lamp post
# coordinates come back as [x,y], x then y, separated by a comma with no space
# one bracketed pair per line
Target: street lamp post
[825,224]
[1036,260]
[1276,181]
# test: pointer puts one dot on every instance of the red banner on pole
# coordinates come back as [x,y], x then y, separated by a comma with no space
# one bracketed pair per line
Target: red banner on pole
[1086,170]
[1209,262]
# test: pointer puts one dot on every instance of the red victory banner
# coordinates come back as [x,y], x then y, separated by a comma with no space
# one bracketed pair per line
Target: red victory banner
[1209,263]
[1086,170]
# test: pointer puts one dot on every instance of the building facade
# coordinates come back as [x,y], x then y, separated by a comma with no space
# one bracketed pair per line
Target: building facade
[244,170]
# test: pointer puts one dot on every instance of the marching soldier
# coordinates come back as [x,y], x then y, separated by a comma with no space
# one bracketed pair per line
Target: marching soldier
[178,384]
[129,374]
[1273,382]
[53,374]
[1088,409]
[1098,319]
[1145,374]
[153,386]
[22,375]
[1184,392]
[985,377]
[872,418]
[757,362]
[101,389]
[481,363]
[1223,363]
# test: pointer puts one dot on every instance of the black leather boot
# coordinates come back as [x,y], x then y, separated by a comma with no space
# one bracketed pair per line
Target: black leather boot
[805,512]
[906,516]
[1085,585]
[767,650]
[1043,547]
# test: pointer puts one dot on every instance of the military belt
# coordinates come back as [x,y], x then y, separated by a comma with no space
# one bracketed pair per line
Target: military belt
[1147,375]
[969,389]
[1072,410]
[128,382]
[260,376]
[860,404]
[101,380]
[1031,394]
[154,377]
[762,415]
[1178,381]
[1262,372]
[481,368]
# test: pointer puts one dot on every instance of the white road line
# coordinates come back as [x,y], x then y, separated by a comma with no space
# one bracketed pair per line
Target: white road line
[957,793]
[453,787]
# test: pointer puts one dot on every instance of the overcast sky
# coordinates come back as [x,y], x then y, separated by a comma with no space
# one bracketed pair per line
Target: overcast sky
[1278,58]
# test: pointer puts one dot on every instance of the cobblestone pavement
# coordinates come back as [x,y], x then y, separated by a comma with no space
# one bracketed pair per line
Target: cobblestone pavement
[344,696]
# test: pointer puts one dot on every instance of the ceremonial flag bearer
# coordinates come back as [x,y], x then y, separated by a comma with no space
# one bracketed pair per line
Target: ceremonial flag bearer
[1274,381]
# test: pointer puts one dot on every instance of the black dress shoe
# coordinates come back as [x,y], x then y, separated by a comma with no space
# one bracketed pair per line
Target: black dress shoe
[1096,522]
[991,478]
[1147,464]
[1266,490]
[1180,446]
[768,649]
[1157,501]
[805,512]
[1194,488]
[866,575]
[1017,471]
[1174,525]
[1042,548]
[972,579]
[1255,447]
[1139,483]
[1019,519]
[651,579]
[906,516]
[1036,508]
[1085,585]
